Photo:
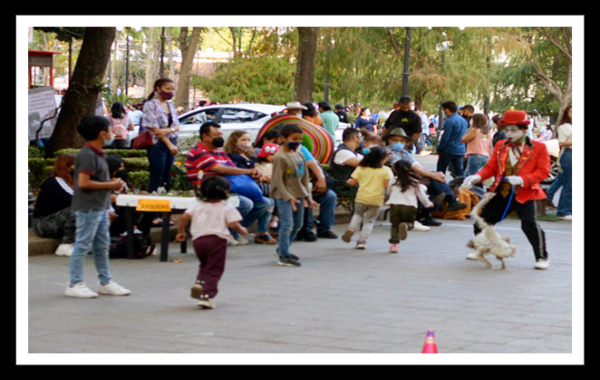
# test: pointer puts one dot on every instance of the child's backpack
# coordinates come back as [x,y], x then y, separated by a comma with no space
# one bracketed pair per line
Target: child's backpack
[142,245]
[119,130]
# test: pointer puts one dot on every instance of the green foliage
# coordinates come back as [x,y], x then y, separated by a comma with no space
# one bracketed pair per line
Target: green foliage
[264,79]
[34,152]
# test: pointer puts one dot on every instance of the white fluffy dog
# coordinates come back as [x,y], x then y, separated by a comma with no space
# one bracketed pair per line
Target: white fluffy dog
[488,241]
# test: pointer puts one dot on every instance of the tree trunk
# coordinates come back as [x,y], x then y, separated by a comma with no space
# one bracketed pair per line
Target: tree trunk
[305,67]
[82,94]
[152,60]
[188,51]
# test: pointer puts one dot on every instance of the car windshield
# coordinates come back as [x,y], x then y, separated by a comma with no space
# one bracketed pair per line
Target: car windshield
[232,115]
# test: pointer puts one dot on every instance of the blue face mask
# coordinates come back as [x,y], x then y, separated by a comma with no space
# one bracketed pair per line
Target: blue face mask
[398,146]
[293,145]
[366,151]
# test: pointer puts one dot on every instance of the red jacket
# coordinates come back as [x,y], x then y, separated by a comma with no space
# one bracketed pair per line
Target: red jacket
[533,168]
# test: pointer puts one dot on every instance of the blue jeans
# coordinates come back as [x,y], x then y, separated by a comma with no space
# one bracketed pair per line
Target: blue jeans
[160,160]
[454,160]
[255,212]
[290,223]
[474,163]
[91,233]
[327,203]
[564,180]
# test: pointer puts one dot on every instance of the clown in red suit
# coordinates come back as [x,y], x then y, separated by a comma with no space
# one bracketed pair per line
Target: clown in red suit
[518,165]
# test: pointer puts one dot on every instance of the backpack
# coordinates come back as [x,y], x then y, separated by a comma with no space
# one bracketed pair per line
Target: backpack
[142,245]
[119,130]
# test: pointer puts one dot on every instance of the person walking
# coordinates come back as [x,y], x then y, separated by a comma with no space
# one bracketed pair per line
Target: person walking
[372,177]
[404,196]
[290,189]
[91,203]
[211,218]
[564,181]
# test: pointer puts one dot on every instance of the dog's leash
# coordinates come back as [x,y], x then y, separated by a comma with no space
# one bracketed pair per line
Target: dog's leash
[512,192]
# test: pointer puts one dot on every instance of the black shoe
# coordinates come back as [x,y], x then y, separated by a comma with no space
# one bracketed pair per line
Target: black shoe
[327,235]
[456,206]
[306,235]
[430,222]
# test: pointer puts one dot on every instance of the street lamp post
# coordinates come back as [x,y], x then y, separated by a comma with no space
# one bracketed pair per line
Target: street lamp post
[405,74]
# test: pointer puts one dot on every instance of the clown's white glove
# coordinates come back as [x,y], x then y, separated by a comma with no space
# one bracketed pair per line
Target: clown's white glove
[514,180]
[470,181]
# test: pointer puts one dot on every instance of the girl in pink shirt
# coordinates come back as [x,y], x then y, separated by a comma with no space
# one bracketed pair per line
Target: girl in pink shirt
[478,143]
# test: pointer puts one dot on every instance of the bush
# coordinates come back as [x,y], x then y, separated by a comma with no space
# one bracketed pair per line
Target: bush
[35,152]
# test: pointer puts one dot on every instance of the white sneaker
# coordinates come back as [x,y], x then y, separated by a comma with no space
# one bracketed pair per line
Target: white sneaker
[417,226]
[542,264]
[79,290]
[232,242]
[472,256]
[64,249]
[113,289]
[207,303]
[566,217]
[242,241]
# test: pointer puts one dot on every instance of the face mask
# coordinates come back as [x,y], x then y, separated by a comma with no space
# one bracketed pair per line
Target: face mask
[109,142]
[244,146]
[398,146]
[293,145]
[167,95]
[218,142]
[366,151]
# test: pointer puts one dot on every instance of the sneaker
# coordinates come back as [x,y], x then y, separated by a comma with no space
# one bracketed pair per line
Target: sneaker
[347,236]
[472,256]
[80,290]
[64,249]
[566,217]
[550,205]
[456,206]
[402,231]
[196,290]
[206,302]
[113,289]
[276,254]
[439,199]
[394,248]
[417,226]
[327,235]
[361,245]
[431,222]
[232,242]
[542,264]
[288,261]
[265,239]
[242,241]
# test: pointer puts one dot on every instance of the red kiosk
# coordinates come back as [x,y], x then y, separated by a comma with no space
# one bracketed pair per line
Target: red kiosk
[41,68]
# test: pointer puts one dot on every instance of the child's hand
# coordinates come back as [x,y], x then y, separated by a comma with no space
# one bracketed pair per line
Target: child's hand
[294,202]
[180,236]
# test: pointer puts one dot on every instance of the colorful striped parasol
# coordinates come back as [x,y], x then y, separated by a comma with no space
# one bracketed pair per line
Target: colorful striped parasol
[315,138]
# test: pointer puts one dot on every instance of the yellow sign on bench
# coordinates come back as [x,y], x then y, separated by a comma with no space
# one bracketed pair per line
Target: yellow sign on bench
[154,205]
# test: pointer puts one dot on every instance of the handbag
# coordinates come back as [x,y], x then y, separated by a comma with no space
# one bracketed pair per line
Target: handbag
[142,141]
[246,186]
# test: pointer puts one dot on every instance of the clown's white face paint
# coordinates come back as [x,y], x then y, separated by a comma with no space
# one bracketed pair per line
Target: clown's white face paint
[513,133]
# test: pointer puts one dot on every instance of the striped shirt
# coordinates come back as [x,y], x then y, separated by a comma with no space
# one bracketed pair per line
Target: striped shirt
[201,159]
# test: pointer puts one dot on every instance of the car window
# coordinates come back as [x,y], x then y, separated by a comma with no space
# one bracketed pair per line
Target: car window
[232,115]
[200,117]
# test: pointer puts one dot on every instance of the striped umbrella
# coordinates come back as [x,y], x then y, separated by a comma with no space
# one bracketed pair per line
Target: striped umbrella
[315,138]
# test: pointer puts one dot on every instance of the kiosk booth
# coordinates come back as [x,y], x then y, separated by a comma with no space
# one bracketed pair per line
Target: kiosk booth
[41,68]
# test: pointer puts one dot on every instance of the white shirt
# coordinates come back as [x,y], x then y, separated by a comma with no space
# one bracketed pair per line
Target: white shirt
[212,218]
[344,155]
[408,198]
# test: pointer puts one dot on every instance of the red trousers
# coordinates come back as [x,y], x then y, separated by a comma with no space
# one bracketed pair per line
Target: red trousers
[211,251]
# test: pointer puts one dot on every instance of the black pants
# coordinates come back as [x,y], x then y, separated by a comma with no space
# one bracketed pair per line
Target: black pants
[493,211]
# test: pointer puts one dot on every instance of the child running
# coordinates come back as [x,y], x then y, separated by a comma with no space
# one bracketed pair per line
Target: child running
[372,177]
[404,193]
[210,217]
[290,189]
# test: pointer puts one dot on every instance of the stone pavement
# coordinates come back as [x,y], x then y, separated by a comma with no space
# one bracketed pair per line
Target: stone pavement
[340,301]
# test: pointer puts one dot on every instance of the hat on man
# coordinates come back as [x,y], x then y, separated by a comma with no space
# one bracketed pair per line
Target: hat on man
[518,118]
[268,149]
[395,132]
[295,106]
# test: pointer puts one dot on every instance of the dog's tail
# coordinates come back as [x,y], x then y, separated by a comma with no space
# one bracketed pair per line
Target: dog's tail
[475,211]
